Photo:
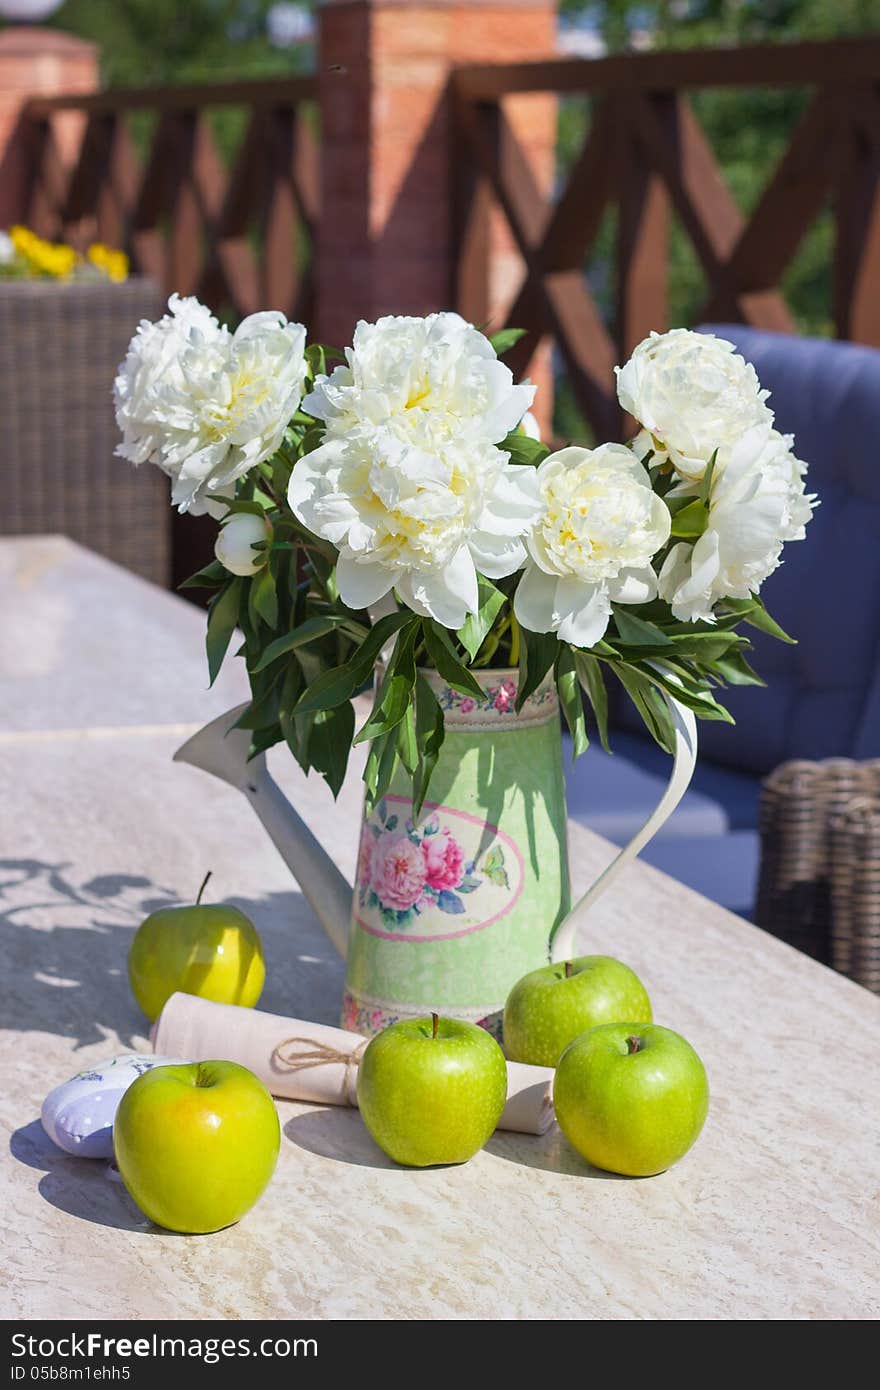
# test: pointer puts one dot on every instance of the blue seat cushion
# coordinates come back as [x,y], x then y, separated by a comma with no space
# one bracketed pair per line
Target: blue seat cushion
[615,793]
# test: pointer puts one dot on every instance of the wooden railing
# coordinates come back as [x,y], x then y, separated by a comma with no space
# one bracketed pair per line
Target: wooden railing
[237,230]
[646,154]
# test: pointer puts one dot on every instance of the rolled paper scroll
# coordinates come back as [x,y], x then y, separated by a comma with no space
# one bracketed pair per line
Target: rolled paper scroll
[312,1061]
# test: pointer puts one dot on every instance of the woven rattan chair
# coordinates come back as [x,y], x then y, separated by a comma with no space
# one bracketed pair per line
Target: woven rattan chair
[60,345]
[819,884]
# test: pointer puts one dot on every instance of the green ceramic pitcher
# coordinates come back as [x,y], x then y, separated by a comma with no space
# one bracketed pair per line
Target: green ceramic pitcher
[452,906]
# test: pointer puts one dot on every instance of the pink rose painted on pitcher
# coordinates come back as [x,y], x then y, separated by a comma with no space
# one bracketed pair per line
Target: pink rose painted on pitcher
[444,860]
[406,871]
[505,697]
[398,872]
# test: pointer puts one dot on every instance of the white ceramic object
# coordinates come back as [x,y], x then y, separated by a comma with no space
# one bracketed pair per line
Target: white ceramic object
[78,1115]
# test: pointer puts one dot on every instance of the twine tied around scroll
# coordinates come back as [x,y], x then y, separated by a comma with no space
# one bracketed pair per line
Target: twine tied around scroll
[318,1054]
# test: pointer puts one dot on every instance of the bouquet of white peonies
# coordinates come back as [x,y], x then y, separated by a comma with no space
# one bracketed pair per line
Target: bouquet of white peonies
[391,505]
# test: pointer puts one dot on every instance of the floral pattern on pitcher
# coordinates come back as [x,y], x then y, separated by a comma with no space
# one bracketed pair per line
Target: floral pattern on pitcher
[414,876]
[406,870]
[499,698]
[369,1019]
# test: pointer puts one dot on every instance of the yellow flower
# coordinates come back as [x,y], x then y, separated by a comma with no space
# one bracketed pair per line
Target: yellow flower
[113,263]
[43,257]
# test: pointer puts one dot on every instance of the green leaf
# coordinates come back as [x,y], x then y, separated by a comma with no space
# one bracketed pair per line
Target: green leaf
[733,668]
[262,598]
[265,706]
[380,768]
[336,686]
[593,682]
[752,611]
[330,744]
[291,689]
[688,691]
[255,507]
[635,632]
[523,449]
[690,522]
[443,655]
[537,652]
[309,631]
[312,440]
[263,739]
[571,700]
[473,632]
[706,647]
[317,359]
[407,743]
[505,339]
[394,696]
[651,706]
[430,732]
[222,619]
[706,484]
[211,577]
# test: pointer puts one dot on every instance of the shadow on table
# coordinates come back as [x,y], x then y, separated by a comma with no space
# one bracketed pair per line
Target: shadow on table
[337,1132]
[66,941]
[86,1188]
[550,1152]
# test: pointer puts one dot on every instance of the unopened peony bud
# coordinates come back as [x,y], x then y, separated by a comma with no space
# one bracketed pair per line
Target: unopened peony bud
[234,545]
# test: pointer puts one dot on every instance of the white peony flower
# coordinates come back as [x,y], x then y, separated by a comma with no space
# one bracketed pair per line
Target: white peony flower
[416,509]
[7,249]
[693,394]
[412,369]
[757,503]
[601,524]
[235,543]
[206,405]
[408,483]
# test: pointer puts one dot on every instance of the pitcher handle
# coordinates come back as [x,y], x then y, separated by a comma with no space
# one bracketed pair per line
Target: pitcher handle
[562,944]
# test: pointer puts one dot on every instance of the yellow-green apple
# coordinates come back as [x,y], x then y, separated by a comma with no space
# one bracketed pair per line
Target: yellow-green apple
[196,1144]
[212,950]
[550,1007]
[630,1097]
[431,1090]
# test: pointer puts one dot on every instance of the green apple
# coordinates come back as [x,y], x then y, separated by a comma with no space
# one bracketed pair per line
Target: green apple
[209,950]
[630,1097]
[431,1090]
[550,1007]
[196,1144]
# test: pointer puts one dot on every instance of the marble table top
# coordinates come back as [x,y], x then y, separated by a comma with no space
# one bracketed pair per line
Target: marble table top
[772,1215]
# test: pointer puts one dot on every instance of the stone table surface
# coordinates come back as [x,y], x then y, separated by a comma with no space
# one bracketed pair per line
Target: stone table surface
[773,1214]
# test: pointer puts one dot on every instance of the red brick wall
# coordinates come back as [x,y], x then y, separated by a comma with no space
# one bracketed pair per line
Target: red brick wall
[386,228]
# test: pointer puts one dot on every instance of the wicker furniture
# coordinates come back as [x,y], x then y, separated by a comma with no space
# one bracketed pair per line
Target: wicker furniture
[819,884]
[60,345]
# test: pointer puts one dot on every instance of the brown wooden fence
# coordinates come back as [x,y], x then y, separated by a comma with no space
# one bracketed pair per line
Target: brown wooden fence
[646,154]
[237,231]
[213,190]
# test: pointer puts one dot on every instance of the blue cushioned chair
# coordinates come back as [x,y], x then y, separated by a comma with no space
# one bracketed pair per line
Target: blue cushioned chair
[823,695]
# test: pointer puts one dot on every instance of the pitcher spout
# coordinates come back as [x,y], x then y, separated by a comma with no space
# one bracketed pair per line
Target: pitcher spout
[222,750]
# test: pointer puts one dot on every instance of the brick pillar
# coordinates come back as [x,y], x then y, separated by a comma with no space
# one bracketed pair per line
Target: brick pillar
[386,231]
[38,62]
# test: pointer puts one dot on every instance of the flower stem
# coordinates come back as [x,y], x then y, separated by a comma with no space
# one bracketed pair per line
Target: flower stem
[514,641]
